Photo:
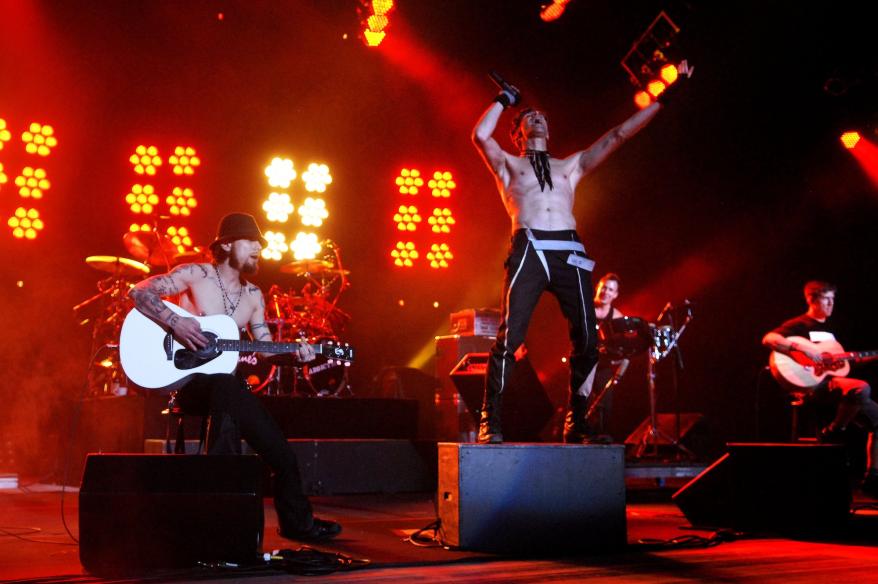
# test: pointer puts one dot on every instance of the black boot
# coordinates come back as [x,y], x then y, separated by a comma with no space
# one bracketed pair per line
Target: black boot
[576,428]
[489,422]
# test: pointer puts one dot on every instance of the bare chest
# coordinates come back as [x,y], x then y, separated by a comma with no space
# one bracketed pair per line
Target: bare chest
[207,297]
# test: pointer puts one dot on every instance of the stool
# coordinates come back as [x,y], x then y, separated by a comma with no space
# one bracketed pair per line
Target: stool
[797,400]
[176,415]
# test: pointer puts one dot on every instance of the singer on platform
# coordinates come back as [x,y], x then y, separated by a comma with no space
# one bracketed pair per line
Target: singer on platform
[546,252]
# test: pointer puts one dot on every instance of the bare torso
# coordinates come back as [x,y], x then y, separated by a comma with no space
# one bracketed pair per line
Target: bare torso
[528,206]
[204,296]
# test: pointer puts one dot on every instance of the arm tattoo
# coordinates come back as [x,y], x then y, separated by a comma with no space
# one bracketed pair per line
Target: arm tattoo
[203,270]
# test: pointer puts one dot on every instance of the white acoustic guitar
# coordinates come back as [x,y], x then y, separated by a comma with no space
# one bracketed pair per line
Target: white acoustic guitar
[153,358]
[797,372]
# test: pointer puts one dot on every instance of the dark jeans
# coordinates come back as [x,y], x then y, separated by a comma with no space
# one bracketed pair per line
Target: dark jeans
[526,280]
[236,413]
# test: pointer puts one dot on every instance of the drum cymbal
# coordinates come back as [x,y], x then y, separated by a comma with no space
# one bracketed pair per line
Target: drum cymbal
[306,267]
[117,265]
[150,247]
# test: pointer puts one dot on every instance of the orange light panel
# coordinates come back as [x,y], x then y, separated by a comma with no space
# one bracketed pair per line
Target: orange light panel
[39,139]
[316,178]
[668,73]
[642,99]
[409,180]
[439,256]
[305,246]
[280,172]
[313,212]
[181,201]
[554,10]
[180,238]
[441,184]
[441,220]
[25,223]
[32,183]
[407,218]
[185,160]
[142,199]
[5,135]
[850,139]
[376,22]
[278,207]
[373,39]
[3,178]
[404,254]
[655,87]
[276,245]
[146,160]
[382,7]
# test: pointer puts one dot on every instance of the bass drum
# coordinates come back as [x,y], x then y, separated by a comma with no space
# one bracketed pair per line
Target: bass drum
[325,378]
[260,375]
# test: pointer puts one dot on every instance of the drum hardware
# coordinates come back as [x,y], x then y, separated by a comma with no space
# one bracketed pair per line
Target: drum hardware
[150,247]
[665,340]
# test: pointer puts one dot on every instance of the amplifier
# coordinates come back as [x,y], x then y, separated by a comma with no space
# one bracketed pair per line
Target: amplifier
[476,321]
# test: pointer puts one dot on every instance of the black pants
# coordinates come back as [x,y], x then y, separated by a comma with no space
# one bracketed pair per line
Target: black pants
[526,280]
[236,413]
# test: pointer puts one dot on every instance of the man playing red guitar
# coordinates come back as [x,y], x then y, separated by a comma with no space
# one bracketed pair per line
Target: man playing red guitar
[855,394]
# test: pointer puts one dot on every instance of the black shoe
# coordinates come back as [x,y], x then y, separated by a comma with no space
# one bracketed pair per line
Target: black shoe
[321,530]
[870,485]
[831,435]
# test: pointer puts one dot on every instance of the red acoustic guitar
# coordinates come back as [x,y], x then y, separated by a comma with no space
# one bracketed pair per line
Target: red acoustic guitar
[797,372]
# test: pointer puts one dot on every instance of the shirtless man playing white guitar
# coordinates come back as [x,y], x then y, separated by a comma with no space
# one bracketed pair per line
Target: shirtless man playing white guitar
[220,288]
[801,338]
[546,253]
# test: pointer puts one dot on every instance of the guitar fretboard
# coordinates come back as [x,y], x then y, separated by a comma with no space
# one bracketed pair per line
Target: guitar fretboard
[260,346]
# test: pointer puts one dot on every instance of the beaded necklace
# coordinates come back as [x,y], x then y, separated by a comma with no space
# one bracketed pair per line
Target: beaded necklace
[227,300]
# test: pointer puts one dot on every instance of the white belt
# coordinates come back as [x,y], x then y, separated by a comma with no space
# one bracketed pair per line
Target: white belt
[541,245]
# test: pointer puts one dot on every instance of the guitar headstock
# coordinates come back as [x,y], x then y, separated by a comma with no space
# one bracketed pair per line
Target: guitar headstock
[341,353]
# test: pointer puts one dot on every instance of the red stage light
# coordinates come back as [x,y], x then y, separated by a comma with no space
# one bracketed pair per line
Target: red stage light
[407,218]
[441,220]
[441,184]
[439,255]
[642,99]
[668,73]
[655,87]
[408,181]
[4,133]
[850,139]
[142,199]
[382,7]
[184,160]
[32,183]
[554,10]
[25,223]
[3,177]
[39,139]
[180,238]
[375,20]
[181,201]
[145,160]
[404,254]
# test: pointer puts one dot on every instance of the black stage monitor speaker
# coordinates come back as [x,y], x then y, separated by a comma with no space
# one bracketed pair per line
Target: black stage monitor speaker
[525,408]
[532,498]
[141,512]
[780,488]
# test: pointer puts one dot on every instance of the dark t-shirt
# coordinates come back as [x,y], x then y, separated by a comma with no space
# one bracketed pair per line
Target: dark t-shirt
[802,326]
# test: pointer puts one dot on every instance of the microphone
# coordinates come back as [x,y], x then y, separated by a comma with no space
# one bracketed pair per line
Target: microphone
[501,83]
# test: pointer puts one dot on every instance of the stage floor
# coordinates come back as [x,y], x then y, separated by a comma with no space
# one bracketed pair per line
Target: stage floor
[34,546]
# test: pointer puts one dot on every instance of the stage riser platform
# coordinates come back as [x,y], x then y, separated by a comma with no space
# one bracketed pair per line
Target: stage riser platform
[346,467]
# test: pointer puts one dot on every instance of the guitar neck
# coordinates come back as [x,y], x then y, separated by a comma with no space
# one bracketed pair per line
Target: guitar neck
[857,356]
[246,346]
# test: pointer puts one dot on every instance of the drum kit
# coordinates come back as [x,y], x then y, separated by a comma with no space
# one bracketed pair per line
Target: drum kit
[624,338]
[307,310]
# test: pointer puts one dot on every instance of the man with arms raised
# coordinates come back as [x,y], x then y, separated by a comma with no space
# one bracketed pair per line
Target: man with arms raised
[220,288]
[545,253]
